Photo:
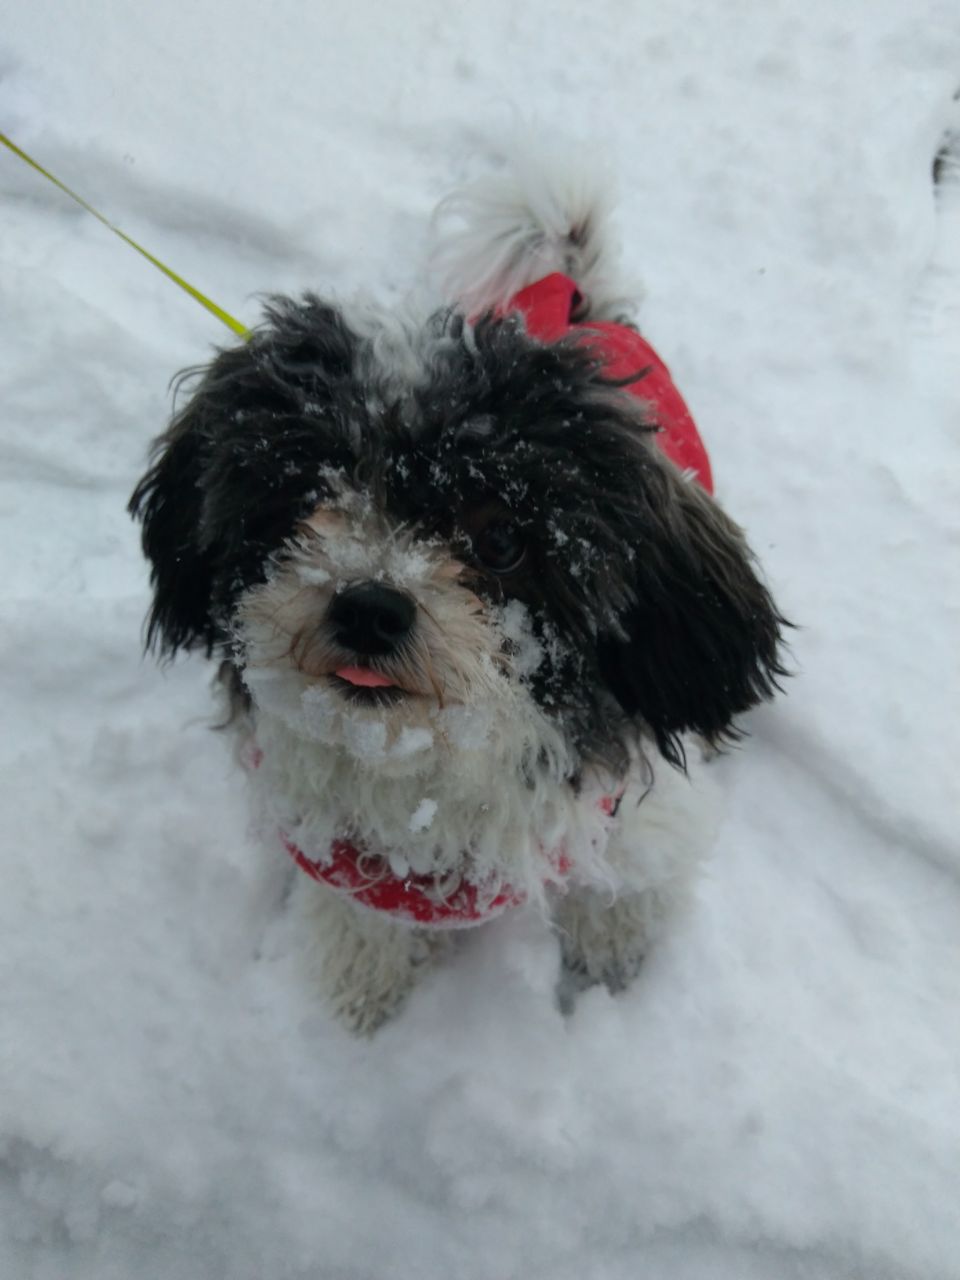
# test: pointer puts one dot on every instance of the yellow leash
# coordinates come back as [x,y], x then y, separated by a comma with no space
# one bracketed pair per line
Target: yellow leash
[223,316]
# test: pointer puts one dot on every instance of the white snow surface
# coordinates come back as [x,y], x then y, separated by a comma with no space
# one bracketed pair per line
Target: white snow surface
[778,1095]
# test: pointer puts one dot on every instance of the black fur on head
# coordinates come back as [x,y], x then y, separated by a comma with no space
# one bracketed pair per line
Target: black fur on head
[643,592]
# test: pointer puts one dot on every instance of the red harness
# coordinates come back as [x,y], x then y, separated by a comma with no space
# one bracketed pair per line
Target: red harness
[416,899]
[547,307]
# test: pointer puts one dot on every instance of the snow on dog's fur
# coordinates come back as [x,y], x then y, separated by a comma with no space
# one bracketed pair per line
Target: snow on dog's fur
[464,605]
[467,731]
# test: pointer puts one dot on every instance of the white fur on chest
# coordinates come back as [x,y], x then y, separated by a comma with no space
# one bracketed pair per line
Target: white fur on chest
[452,796]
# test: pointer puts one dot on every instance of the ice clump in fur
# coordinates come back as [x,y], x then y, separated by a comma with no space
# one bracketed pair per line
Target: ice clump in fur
[423,815]
[526,652]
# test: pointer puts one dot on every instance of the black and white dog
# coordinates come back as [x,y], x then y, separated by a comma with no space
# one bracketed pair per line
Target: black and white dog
[470,598]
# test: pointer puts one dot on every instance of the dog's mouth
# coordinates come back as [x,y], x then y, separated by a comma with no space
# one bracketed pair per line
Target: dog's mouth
[366,687]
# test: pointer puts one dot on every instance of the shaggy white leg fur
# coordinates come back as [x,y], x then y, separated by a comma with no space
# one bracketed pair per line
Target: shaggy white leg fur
[655,853]
[604,940]
[364,963]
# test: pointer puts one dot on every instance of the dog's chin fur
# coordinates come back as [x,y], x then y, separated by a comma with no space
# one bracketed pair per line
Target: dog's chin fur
[340,449]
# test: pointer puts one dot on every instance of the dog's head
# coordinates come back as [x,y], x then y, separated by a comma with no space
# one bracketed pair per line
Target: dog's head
[379,524]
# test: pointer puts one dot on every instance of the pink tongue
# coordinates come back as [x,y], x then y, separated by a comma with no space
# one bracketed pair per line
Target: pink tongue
[364,676]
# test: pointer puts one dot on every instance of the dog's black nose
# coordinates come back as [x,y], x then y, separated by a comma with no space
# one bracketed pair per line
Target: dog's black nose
[371,618]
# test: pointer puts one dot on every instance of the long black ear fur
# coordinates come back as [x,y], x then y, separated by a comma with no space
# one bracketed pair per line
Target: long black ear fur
[169,501]
[239,466]
[702,642]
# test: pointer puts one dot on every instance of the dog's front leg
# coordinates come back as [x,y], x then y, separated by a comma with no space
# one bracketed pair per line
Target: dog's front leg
[364,962]
[604,939]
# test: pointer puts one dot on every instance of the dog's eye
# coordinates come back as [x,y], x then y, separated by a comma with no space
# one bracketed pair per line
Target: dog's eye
[500,547]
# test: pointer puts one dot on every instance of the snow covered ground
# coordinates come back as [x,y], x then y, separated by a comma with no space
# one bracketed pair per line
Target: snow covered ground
[779,1094]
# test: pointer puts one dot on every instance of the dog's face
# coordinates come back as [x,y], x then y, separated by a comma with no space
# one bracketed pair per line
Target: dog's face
[397,534]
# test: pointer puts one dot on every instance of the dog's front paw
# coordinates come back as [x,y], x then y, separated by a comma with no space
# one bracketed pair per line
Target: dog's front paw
[367,984]
[365,963]
[364,1010]
[602,940]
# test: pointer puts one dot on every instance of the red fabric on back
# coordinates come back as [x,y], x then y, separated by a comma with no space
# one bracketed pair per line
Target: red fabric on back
[547,306]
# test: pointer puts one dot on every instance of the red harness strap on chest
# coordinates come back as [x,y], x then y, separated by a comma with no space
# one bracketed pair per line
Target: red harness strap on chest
[412,898]
[547,307]
[415,898]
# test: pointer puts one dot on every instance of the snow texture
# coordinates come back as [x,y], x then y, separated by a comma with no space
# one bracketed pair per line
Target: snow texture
[423,815]
[778,1095]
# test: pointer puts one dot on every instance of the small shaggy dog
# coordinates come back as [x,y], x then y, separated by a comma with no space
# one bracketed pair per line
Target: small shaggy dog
[470,597]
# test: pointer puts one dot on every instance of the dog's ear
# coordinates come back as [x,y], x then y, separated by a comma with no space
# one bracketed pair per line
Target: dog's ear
[240,464]
[701,642]
[169,502]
